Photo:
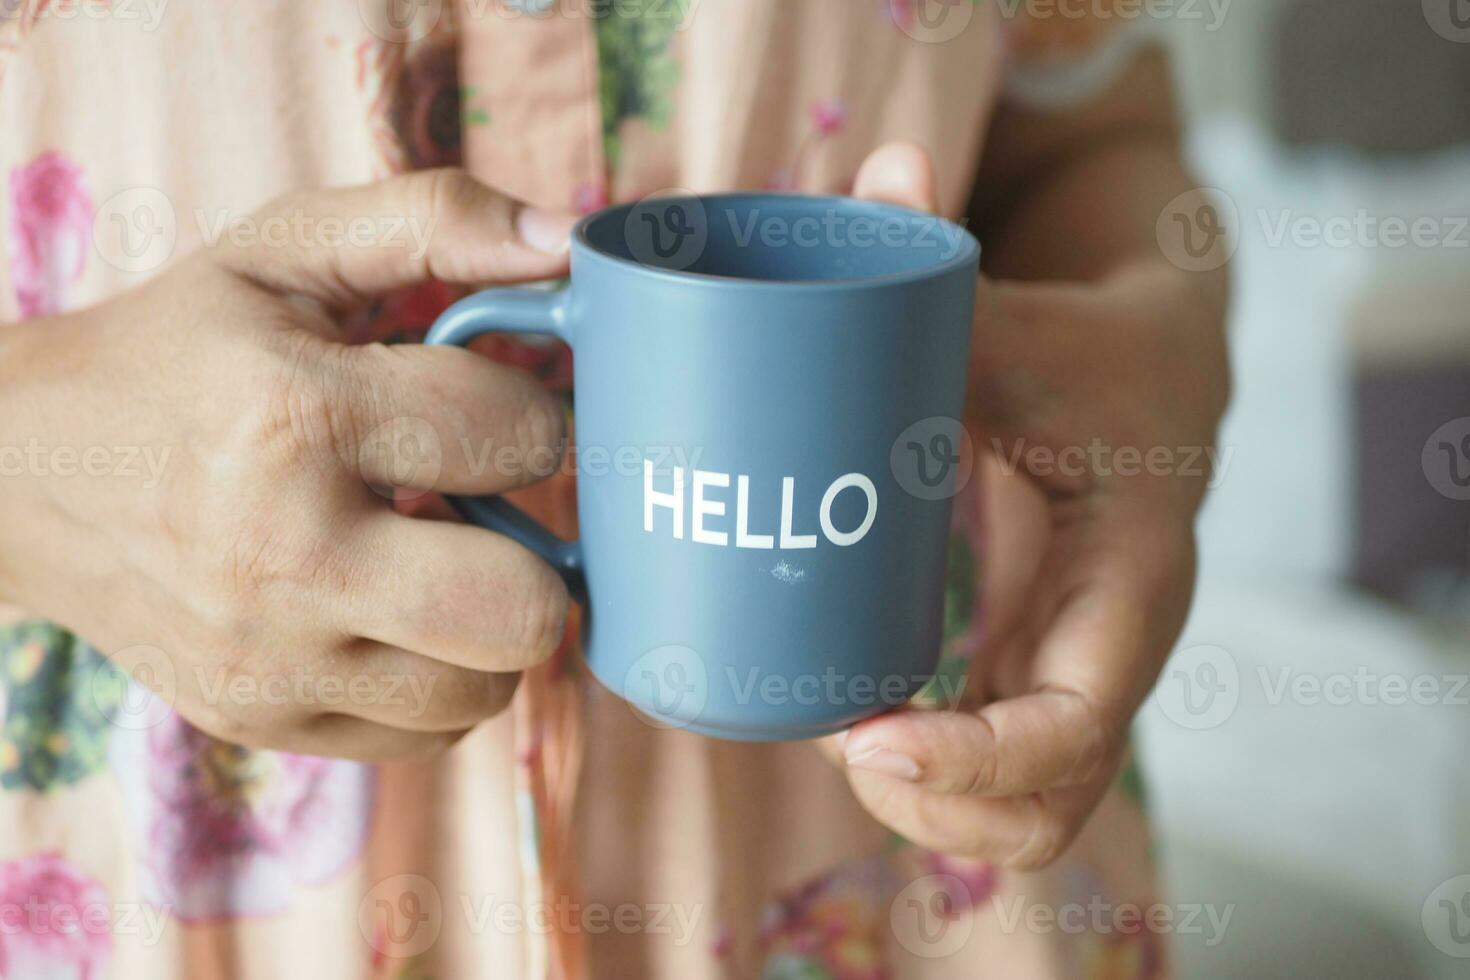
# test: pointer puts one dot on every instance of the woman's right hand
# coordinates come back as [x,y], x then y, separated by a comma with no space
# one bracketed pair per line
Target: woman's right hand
[295,608]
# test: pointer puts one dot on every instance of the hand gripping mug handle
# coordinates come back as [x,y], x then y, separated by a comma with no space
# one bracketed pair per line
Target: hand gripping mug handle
[516,311]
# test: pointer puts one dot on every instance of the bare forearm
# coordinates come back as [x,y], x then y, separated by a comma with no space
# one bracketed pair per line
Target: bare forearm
[1077,195]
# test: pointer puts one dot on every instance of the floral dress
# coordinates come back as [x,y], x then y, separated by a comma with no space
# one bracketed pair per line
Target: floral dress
[566,838]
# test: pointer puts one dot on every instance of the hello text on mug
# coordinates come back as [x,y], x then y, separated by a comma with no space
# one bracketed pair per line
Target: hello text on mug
[703,497]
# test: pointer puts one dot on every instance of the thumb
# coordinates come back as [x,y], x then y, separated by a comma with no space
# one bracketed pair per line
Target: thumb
[898,173]
[342,245]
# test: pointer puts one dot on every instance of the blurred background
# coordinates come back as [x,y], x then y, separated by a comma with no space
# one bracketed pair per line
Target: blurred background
[1306,745]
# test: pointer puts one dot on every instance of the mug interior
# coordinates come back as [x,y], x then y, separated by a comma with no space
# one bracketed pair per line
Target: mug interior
[780,238]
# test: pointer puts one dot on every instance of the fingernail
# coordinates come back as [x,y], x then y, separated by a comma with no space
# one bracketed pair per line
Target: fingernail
[884,761]
[546,231]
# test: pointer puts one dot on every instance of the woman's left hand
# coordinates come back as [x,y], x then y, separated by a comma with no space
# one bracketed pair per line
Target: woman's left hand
[1094,407]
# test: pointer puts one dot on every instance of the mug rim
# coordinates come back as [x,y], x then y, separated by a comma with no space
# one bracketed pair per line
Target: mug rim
[968,253]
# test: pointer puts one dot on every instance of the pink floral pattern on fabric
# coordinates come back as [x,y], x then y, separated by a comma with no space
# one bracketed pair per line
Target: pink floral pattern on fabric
[828,119]
[901,12]
[1123,948]
[55,921]
[225,831]
[965,883]
[50,226]
[831,929]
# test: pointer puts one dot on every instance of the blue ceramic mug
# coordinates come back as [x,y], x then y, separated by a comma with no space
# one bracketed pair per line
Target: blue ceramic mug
[767,391]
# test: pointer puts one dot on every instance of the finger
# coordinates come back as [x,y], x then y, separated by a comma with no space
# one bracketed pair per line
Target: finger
[898,173]
[1120,597]
[442,418]
[341,245]
[1015,529]
[400,689]
[1040,741]
[453,593]
[1023,832]
[1119,576]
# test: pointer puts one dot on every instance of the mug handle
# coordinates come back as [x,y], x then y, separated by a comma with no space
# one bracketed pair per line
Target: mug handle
[536,311]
